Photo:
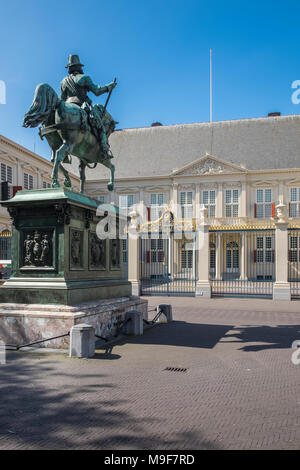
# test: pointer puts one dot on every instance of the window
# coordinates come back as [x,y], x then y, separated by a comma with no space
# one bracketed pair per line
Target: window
[264,207]
[186,258]
[264,250]
[186,202]
[28,181]
[126,201]
[156,202]
[212,256]
[156,254]
[6,173]
[101,199]
[209,200]
[294,254]
[46,185]
[294,206]
[5,245]
[231,203]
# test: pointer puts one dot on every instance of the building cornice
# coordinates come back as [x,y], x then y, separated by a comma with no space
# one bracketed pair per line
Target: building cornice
[29,153]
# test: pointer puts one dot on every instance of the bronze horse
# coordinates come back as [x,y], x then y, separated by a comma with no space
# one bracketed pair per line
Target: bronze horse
[67,130]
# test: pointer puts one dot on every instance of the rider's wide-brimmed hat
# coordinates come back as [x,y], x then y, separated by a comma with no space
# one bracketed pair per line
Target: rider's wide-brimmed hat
[74,60]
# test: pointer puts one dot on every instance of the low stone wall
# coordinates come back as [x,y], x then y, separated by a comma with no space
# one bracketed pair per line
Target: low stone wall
[24,323]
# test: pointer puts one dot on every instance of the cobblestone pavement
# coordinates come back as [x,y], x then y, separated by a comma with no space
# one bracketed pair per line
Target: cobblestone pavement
[240,390]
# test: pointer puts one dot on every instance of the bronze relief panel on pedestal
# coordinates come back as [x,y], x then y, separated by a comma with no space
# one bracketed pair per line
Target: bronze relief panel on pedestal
[36,249]
[97,252]
[76,249]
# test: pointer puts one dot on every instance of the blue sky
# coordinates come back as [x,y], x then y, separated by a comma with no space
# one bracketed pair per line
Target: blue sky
[159,52]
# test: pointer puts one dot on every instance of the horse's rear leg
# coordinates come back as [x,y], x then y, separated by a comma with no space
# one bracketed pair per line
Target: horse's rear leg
[111,184]
[59,156]
[82,176]
[67,181]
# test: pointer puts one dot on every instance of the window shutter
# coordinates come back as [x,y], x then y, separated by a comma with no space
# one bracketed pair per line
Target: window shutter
[273,209]
[255,211]
[254,256]
[289,209]
[149,213]
[273,256]
[148,256]
[290,255]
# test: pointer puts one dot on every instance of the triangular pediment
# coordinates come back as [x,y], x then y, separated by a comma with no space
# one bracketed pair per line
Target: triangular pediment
[208,165]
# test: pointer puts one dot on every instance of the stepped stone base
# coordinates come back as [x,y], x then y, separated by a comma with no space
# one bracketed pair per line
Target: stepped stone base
[24,323]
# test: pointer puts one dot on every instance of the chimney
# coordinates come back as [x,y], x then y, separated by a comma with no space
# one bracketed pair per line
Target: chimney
[276,113]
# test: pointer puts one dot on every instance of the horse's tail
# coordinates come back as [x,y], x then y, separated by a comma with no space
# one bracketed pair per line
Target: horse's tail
[45,100]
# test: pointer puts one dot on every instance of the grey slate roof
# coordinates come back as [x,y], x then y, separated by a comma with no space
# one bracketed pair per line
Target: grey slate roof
[260,143]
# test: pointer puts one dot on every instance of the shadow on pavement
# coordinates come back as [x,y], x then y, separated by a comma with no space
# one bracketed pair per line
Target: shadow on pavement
[180,333]
[58,404]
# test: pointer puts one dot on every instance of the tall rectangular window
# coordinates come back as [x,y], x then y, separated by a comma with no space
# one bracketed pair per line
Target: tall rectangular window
[231,203]
[46,185]
[156,203]
[264,206]
[294,202]
[101,199]
[126,201]
[186,202]
[264,250]
[6,173]
[209,200]
[157,254]
[28,181]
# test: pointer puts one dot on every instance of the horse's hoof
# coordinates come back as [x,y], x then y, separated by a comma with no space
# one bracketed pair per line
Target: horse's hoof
[110,186]
[67,184]
[55,185]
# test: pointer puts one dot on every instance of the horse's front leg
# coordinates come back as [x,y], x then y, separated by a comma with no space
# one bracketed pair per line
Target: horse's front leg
[59,156]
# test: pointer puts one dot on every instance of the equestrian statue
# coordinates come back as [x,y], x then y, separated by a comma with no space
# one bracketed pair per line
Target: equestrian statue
[72,125]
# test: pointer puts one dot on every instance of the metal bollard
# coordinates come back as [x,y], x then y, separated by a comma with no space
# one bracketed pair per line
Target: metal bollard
[82,341]
[167,315]
[134,323]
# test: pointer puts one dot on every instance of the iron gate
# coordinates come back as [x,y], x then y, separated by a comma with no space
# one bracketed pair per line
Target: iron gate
[294,262]
[242,262]
[168,265]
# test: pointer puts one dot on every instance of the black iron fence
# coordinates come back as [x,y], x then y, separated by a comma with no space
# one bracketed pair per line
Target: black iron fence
[242,262]
[168,266]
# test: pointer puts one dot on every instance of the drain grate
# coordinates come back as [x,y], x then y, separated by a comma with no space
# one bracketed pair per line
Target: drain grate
[176,369]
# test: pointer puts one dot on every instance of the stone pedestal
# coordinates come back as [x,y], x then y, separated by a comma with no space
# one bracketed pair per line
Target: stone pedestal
[24,323]
[57,256]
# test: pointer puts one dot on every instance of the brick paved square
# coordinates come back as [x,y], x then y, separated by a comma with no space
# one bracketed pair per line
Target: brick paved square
[240,390]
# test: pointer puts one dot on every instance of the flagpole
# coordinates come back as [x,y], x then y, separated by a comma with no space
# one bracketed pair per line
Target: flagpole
[210,80]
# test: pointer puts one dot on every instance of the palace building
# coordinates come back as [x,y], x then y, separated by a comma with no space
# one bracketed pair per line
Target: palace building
[20,169]
[245,173]
[240,178]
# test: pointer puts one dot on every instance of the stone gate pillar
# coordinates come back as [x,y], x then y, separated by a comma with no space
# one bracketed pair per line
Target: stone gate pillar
[203,288]
[281,287]
[134,255]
